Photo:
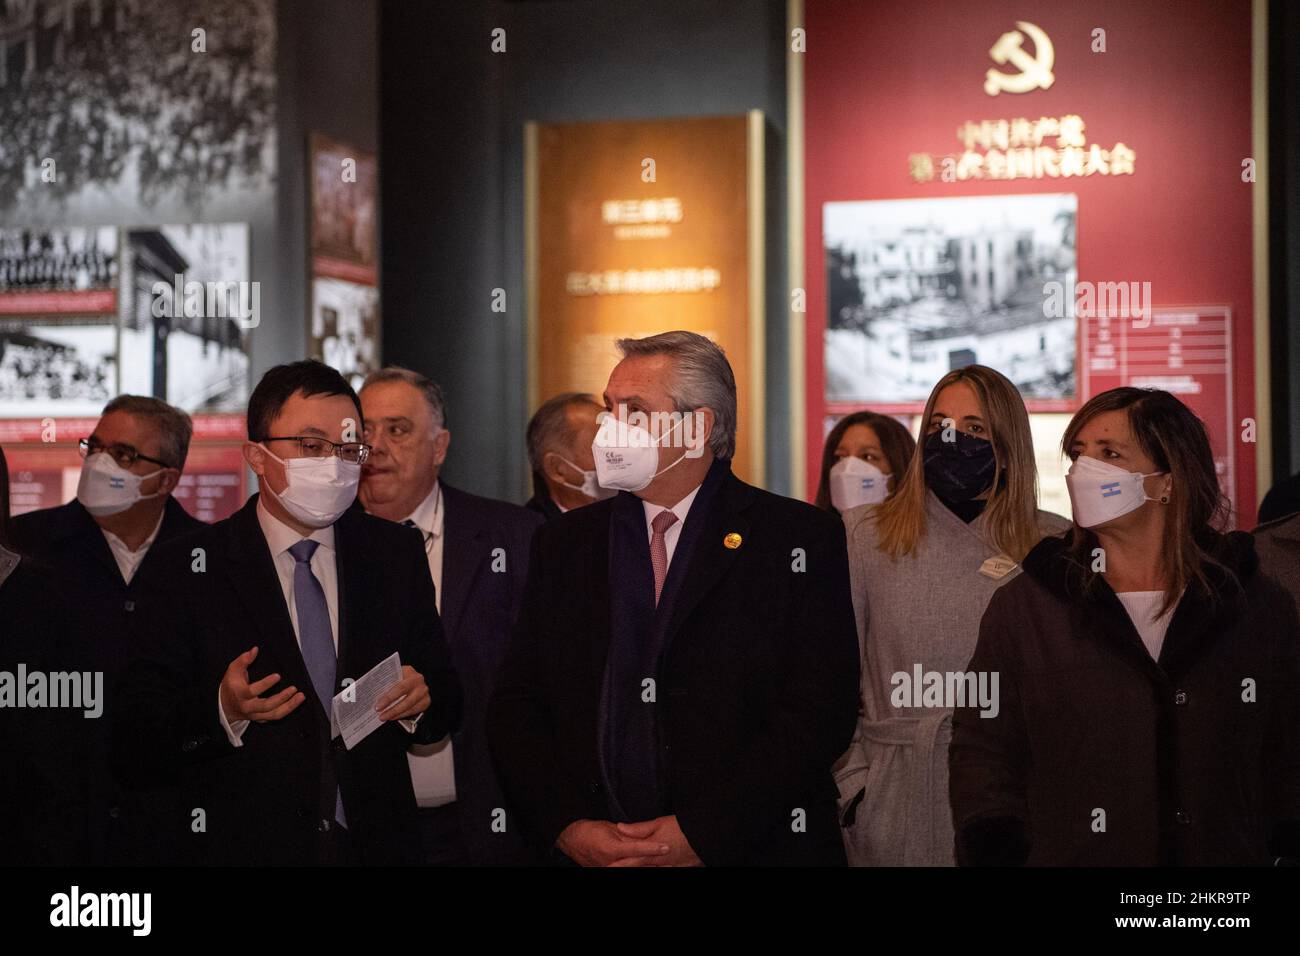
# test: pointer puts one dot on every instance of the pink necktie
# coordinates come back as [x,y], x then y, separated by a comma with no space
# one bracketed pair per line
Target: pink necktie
[659,550]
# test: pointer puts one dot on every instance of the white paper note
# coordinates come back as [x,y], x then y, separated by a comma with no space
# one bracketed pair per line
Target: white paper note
[354,706]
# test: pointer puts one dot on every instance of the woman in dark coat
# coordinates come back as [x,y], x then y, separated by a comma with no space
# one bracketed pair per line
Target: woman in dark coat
[1148,672]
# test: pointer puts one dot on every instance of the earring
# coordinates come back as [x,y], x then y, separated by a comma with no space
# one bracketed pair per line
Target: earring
[1164,499]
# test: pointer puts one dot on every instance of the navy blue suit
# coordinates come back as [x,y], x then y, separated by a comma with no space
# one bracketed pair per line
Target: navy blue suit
[757,686]
[484,565]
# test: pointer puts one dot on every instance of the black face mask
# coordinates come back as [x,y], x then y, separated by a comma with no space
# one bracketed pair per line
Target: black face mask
[961,469]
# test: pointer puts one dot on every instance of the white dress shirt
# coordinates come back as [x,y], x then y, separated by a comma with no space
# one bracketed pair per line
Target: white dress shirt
[324,565]
[675,530]
[128,561]
[433,772]
[428,519]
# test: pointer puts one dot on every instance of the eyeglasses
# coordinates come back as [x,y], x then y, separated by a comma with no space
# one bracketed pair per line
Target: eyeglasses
[124,455]
[353,452]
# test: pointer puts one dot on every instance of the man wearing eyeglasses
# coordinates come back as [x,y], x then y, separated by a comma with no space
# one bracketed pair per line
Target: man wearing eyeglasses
[97,545]
[478,559]
[261,620]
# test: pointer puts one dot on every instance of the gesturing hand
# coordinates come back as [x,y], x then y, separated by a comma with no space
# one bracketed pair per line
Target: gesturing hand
[660,830]
[599,843]
[241,700]
[413,693]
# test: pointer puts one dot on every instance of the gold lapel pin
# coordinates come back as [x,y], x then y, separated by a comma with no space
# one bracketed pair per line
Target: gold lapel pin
[732,541]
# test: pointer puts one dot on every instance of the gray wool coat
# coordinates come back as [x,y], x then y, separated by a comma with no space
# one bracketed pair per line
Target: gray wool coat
[923,609]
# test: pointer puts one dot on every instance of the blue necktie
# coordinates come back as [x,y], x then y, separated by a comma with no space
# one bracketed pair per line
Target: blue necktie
[315,636]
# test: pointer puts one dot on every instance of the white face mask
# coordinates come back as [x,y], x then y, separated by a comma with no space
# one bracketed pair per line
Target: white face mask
[590,486]
[1101,492]
[627,456]
[856,482]
[317,490]
[106,488]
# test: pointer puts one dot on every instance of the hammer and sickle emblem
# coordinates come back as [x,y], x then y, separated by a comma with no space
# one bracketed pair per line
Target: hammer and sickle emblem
[1035,71]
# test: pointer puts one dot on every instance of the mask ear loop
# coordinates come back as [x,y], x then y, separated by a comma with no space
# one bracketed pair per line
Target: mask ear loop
[680,458]
[152,474]
[574,467]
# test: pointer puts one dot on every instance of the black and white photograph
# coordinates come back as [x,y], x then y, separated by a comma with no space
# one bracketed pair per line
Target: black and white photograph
[918,287]
[58,322]
[171,104]
[345,327]
[77,259]
[188,307]
[57,367]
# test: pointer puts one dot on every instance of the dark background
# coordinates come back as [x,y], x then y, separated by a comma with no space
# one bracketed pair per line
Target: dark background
[452,115]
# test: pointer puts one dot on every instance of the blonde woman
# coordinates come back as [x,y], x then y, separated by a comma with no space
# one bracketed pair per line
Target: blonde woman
[924,565]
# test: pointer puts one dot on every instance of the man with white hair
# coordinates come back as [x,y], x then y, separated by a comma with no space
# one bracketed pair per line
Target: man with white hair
[477,550]
[684,670]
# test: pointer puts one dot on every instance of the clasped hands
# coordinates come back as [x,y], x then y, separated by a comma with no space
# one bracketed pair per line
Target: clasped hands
[657,842]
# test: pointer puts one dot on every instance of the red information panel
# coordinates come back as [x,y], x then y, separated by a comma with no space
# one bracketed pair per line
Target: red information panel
[93,301]
[985,181]
[43,473]
[212,486]
[39,475]
[1184,351]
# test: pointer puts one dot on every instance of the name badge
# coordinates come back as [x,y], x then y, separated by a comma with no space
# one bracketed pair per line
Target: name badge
[997,568]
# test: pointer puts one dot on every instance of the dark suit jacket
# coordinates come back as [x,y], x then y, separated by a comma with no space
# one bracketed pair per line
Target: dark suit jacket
[481,588]
[30,627]
[759,684]
[1278,546]
[1283,499]
[541,503]
[96,822]
[268,801]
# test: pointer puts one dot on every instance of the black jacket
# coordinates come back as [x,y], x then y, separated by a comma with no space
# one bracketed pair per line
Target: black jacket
[484,565]
[1101,756]
[1278,545]
[541,503]
[95,821]
[1283,499]
[30,627]
[759,684]
[264,802]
